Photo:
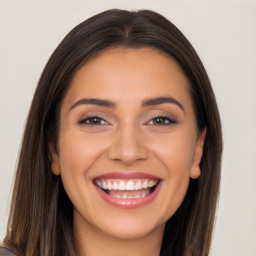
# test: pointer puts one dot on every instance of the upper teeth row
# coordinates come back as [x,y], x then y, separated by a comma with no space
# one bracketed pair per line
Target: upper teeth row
[126,184]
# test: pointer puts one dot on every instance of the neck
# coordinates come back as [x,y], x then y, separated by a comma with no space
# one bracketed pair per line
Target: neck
[91,241]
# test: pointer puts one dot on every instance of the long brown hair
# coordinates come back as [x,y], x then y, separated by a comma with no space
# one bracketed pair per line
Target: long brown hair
[40,222]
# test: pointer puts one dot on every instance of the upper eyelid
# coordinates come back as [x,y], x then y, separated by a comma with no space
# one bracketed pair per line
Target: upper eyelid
[171,119]
[163,115]
[148,116]
[90,114]
[155,112]
[83,119]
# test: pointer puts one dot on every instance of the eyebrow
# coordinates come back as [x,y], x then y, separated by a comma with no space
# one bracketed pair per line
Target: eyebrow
[162,100]
[111,104]
[92,101]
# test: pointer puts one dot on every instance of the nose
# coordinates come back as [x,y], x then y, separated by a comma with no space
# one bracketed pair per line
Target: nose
[128,146]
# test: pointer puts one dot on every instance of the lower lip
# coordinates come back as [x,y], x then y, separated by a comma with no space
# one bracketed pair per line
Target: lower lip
[131,203]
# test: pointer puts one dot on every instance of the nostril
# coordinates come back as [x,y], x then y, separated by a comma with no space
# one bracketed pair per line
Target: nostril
[128,144]
[127,157]
[127,152]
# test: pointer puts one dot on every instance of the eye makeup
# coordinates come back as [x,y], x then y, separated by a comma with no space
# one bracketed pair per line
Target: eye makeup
[93,120]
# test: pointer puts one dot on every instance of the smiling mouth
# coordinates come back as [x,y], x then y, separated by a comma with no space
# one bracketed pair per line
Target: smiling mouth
[127,188]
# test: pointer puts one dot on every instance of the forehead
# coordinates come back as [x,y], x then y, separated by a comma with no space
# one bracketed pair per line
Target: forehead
[117,71]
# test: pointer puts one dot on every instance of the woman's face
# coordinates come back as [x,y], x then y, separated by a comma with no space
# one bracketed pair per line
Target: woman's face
[128,142]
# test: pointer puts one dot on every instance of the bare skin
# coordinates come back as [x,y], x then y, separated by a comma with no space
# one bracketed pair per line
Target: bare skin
[127,111]
[89,245]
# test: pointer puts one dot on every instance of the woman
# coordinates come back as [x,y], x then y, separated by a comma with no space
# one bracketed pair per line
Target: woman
[122,149]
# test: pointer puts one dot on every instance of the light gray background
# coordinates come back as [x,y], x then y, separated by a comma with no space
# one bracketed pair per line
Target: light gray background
[224,35]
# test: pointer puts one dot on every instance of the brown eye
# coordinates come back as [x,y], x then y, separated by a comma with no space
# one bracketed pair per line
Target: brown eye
[93,120]
[162,120]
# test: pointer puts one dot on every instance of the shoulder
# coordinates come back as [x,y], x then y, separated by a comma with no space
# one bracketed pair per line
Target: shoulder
[6,252]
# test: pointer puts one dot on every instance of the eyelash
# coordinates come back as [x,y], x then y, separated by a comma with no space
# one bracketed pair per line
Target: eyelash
[158,120]
[165,119]
[94,119]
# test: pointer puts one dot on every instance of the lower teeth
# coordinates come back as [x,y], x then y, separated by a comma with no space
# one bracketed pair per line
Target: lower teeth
[130,194]
[125,196]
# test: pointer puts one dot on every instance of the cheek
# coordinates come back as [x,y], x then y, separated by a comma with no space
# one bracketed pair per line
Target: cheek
[77,154]
[78,151]
[176,152]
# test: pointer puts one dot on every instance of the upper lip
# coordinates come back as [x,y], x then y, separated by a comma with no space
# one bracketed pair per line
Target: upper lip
[126,175]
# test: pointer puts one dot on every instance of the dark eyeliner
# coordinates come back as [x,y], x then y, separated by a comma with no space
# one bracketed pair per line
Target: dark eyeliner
[163,118]
[84,120]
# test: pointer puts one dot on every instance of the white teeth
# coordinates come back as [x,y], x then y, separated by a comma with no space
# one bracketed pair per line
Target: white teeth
[130,185]
[128,194]
[122,185]
[109,184]
[124,196]
[98,183]
[145,184]
[151,183]
[104,185]
[138,185]
[135,196]
[115,185]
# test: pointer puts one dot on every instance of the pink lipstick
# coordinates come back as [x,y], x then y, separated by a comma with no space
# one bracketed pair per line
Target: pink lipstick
[127,190]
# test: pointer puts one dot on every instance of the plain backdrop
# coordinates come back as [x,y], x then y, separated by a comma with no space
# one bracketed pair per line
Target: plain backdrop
[224,35]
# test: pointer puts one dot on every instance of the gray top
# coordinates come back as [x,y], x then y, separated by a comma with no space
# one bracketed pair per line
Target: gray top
[6,252]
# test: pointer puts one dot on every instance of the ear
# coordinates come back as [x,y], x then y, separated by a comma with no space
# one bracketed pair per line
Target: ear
[54,158]
[195,171]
